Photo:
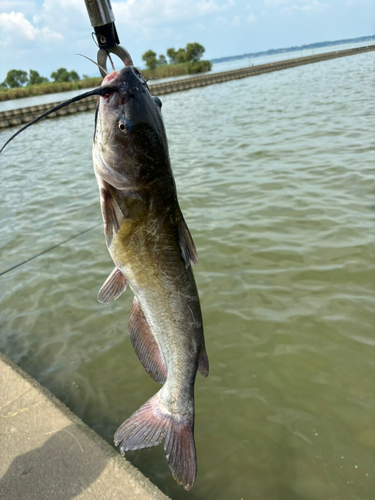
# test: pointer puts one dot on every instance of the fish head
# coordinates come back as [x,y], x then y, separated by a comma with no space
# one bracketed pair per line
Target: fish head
[130,137]
[128,121]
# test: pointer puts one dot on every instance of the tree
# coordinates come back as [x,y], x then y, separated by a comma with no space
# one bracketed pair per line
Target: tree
[176,56]
[171,53]
[194,52]
[74,76]
[150,60]
[63,75]
[35,78]
[162,60]
[181,56]
[16,78]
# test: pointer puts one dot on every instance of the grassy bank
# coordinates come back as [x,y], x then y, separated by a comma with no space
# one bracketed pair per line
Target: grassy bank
[168,70]
[47,88]
[165,71]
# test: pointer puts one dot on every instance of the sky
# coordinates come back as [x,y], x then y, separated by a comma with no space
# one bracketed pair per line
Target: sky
[47,34]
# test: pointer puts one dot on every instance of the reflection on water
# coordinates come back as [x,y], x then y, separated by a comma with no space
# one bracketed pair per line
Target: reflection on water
[275,178]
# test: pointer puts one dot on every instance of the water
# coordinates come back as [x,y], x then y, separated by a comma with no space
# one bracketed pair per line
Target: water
[282,56]
[216,68]
[275,175]
[40,99]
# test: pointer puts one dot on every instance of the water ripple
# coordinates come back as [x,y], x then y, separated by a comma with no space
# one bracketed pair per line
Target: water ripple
[275,176]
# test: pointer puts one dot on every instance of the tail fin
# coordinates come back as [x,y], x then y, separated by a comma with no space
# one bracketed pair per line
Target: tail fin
[149,425]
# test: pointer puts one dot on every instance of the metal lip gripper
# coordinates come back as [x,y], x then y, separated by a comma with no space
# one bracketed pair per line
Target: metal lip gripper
[103,21]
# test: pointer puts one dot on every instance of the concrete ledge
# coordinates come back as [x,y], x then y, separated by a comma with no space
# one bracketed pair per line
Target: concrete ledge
[47,452]
[18,116]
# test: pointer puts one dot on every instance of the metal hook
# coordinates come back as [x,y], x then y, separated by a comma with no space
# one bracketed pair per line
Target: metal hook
[103,21]
[118,51]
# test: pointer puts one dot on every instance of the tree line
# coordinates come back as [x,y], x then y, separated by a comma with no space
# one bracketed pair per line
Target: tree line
[192,53]
[18,78]
[166,66]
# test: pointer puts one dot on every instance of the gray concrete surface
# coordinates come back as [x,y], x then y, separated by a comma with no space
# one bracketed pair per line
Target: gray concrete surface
[47,452]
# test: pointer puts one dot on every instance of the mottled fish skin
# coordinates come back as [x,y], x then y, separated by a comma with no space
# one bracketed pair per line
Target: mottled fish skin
[151,248]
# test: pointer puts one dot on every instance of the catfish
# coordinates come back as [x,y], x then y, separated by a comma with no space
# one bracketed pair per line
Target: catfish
[152,250]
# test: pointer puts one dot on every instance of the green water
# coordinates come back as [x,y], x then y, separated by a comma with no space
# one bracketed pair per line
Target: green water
[275,176]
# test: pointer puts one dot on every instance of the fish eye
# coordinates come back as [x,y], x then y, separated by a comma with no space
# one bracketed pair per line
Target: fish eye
[157,101]
[125,125]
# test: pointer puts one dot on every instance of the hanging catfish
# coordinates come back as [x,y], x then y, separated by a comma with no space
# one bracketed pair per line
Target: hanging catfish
[152,249]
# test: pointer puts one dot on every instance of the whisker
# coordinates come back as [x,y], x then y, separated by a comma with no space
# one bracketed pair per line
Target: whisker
[110,58]
[96,64]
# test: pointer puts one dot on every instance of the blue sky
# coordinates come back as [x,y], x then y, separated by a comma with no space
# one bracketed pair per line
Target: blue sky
[46,34]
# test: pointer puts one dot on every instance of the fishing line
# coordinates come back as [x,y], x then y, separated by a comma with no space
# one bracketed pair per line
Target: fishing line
[49,249]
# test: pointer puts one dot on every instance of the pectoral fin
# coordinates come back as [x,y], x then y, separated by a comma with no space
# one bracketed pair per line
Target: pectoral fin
[113,287]
[110,216]
[145,345]
[185,240]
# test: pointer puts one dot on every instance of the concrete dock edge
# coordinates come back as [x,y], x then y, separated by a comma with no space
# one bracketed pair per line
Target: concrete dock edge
[47,452]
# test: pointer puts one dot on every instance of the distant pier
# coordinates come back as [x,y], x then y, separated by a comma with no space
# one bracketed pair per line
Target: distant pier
[19,116]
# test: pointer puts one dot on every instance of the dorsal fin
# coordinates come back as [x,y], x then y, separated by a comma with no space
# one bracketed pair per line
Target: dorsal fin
[113,287]
[185,240]
[145,345]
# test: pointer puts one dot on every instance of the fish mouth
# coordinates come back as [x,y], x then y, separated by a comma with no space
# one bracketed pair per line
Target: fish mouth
[126,81]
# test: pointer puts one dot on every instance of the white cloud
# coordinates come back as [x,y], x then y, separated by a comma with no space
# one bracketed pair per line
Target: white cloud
[65,15]
[276,3]
[290,6]
[198,27]
[310,7]
[315,6]
[236,21]
[16,26]
[251,18]
[154,12]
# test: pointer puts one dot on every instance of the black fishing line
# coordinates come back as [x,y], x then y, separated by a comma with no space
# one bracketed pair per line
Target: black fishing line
[49,249]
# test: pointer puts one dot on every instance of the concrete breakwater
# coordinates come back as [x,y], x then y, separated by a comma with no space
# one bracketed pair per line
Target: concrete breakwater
[48,452]
[19,116]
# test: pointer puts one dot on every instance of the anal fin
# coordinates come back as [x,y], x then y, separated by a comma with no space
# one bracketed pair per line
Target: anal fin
[113,287]
[145,345]
[203,366]
[185,240]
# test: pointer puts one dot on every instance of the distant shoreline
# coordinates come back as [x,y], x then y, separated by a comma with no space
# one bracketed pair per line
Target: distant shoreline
[310,46]
[164,71]
[18,116]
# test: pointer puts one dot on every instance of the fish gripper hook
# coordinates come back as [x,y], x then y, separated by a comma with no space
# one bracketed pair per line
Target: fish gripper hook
[103,21]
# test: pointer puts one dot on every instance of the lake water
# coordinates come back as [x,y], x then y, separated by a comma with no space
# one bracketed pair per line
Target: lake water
[275,175]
